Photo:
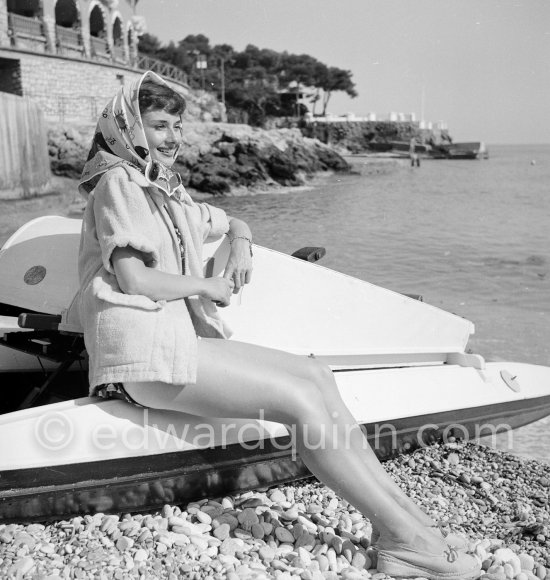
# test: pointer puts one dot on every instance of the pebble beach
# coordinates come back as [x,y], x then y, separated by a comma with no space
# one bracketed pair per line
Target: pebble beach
[302,531]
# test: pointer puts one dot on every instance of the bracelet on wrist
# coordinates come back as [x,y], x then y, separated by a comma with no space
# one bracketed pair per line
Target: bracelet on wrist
[233,238]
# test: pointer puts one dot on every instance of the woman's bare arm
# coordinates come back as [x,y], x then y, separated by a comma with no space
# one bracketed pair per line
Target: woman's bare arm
[239,263]
[135,277]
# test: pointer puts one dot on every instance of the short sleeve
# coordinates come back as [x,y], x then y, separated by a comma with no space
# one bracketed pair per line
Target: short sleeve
[215,222]
[122,214]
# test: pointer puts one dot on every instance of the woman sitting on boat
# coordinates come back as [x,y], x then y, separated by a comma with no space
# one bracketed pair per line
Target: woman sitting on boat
[154,334]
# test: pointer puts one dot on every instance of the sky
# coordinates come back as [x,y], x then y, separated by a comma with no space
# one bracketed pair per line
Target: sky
[482,66]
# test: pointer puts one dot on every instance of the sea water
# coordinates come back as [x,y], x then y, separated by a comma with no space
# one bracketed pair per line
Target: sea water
[470,236]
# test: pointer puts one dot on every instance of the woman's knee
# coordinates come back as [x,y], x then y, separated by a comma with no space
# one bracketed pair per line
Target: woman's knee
[321,375]
[303,403]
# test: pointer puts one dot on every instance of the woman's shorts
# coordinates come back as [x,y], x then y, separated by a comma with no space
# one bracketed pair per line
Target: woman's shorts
[115,391]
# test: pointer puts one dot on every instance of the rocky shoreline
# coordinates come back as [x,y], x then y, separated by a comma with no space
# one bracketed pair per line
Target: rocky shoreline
[302,531]
[220,158]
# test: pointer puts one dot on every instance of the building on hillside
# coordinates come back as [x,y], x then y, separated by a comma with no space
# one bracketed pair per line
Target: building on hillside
[70,56]
[93,29]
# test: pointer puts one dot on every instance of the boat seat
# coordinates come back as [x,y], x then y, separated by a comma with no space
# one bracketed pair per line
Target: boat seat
[418,297]
[310,253]
[39,321]
[39,336]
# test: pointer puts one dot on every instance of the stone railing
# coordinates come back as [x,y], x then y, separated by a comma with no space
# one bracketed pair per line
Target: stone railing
[100,48]
[25,26]
[69,41]
[118,54]
[67,36]
[29,33]
[26,32]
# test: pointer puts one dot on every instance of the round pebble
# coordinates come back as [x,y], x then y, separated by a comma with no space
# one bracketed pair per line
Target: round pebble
[257,531]
[124,543]
[527,562]
[222,531]
[284,535]
[203,517]
[161,548]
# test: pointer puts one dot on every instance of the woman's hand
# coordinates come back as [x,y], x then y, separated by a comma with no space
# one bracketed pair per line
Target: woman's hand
[239,263]
[218,290]
[136,274]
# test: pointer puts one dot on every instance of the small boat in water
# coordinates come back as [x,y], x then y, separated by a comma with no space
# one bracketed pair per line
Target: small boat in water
[469,150]
[398,148]
[401,366]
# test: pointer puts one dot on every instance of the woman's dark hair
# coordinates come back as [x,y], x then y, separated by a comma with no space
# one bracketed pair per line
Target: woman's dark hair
[159,97]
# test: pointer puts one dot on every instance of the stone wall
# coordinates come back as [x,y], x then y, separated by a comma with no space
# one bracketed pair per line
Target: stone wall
[75,91]
[69,91]
[357,136]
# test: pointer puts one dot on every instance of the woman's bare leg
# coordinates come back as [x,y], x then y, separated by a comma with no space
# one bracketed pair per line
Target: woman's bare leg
[358,442]
[238,380]
[325,379]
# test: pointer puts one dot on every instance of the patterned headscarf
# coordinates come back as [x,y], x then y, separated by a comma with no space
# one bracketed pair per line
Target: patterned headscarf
[120,139]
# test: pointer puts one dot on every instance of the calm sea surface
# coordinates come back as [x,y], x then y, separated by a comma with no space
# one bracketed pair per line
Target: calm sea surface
[471,236]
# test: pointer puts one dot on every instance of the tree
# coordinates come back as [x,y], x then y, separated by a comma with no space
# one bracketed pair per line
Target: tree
[336,79]
[169,53]
[255,101]
[258,81]
[300,68]
[149,44]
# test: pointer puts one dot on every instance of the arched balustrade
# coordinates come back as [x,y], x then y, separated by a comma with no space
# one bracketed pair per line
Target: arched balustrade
[68,28]
[86,29]
[118,41]
[131,43]
[25,24]
[98,34]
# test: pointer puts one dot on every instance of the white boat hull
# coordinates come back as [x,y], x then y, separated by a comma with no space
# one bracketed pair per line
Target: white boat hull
[400,366]
[83,456]
[88,429]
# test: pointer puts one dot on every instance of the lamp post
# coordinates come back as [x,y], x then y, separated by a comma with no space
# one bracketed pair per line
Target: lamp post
[295,85]
[222,79]
[201,65]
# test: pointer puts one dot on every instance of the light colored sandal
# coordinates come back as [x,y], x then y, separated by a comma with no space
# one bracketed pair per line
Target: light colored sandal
[405,562]
[455,540]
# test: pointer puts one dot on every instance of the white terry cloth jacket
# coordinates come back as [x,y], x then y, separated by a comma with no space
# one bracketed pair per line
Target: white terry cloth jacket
[131,337]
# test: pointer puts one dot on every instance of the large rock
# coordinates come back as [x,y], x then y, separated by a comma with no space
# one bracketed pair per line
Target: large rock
[68,149]
[218,157]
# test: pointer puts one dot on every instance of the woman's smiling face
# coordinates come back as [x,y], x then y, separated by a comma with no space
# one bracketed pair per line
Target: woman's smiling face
[163,133]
